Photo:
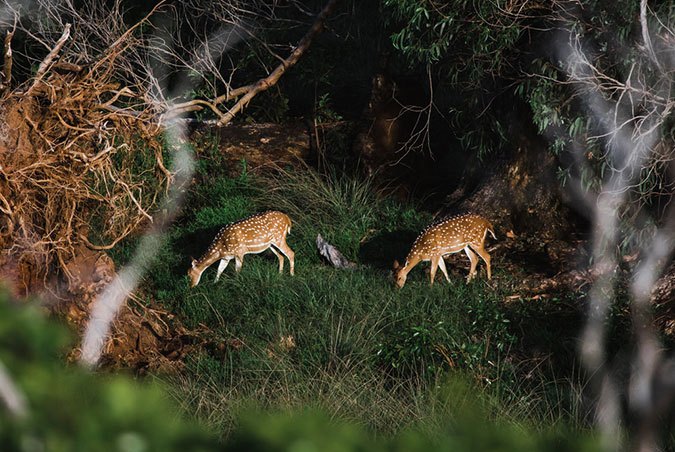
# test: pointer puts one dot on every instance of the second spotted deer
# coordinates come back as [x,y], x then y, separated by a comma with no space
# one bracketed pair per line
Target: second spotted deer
[461,232]
[254,234]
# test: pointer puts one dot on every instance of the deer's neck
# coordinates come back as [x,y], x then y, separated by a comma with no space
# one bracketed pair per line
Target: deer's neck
[207,259]
[411,261]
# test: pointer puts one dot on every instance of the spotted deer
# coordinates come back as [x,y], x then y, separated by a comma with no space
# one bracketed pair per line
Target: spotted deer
[254,234]
[461,232]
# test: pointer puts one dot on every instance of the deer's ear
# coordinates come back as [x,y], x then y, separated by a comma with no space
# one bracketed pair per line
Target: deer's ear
[396,265]
[194,262]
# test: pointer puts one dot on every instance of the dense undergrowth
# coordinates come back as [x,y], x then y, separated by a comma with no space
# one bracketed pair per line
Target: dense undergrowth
[344,342]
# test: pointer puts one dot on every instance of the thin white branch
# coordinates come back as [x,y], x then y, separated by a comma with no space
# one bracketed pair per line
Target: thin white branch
[11,395]
[646,38]
[49,59]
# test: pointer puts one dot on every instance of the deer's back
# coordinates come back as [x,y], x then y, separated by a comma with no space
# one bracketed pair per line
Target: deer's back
[451,235]
[256,230]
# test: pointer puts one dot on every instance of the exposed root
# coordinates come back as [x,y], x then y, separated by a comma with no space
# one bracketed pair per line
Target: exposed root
[73,169]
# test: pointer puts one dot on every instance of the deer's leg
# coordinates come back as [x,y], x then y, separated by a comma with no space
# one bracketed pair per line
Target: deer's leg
[485,256]
[288,252]
[474,261]
[280,257]
[434,267]
[222,265]
[441,265]
[238,262]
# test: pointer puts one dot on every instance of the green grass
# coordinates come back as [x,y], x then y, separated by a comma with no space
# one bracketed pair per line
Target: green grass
[363,350]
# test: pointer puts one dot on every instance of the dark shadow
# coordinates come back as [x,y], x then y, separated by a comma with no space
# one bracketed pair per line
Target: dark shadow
[533,262]
[534,259]
[458,266]
[381,250]
[548,329]
[194,244]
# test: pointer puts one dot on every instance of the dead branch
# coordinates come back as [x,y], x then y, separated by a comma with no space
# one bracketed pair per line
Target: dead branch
[198,104]
[66,66]
[293,58]
[248,92]
[47,62]
[645,35]
[124,234]
[7,66]
[123,41]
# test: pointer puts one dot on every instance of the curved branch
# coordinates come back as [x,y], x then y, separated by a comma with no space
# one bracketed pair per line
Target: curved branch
[198,104]
[7,66]
[273,78]
[47,62]
[248,92]
[645,34]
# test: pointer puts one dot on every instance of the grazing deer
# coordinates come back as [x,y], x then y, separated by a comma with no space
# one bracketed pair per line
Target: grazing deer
[254,234]
[461,232]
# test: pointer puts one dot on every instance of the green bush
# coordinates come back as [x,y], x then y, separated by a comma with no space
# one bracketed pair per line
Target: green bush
[69,408]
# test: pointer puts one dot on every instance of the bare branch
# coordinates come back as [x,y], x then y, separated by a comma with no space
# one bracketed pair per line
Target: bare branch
[10,394]
[628,116]
[645,34]
[276,74]
[7,66]
[47,62]
[198,105]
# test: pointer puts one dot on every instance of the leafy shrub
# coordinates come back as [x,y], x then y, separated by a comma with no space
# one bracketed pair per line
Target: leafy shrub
[69,408]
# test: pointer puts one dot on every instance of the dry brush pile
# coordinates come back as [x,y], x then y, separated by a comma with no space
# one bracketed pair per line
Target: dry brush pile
[71,139]
[82,167]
